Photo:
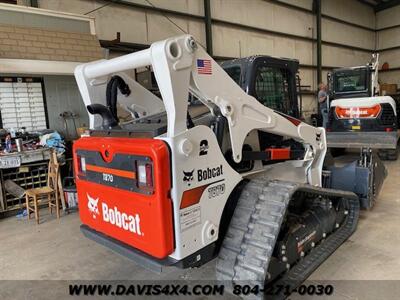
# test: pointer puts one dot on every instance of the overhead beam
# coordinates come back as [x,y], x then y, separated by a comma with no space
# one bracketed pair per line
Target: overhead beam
[156,9]
[367,3]
[208,26]
[317,7]
[386,5]
[119,46]
[292,6]
[390,70]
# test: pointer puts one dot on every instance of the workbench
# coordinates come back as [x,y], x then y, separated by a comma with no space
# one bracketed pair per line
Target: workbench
[28,169]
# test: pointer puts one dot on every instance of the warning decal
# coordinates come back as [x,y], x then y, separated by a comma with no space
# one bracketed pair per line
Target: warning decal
[189,217]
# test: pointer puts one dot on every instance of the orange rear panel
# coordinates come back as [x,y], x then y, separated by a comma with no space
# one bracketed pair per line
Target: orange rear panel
[112,202]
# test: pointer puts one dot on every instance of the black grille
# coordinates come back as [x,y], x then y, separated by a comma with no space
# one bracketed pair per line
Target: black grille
[387,115]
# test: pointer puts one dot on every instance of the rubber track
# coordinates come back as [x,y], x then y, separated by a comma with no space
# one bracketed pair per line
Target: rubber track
[388,154]
[302,270]
[254,228]
[249,243]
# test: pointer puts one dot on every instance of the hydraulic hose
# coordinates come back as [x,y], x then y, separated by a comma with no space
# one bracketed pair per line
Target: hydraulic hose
[116,83]
[106,115]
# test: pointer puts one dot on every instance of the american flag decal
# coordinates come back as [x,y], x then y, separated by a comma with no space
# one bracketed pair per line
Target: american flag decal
[204,66]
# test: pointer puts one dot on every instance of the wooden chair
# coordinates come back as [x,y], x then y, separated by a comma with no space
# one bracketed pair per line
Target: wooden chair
[51,191]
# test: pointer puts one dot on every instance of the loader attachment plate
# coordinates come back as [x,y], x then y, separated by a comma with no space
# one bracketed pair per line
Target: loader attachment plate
[373,140]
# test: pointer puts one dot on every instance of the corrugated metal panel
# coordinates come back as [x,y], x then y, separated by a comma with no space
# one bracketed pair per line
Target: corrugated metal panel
[17,18]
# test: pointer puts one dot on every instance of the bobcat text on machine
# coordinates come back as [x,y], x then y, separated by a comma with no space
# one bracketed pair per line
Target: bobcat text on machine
[161,190]
[358,116]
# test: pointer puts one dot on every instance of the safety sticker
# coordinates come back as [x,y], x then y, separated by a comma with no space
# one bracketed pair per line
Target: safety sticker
[190,217]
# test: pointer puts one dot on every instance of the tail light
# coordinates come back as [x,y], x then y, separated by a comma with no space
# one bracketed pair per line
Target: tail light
[145,174]
[81,164]
[357,112]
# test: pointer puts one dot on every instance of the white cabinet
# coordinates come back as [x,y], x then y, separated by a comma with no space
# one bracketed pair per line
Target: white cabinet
[22,104]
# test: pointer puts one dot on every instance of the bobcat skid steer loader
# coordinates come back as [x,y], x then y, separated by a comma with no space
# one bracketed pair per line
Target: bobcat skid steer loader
[171,188]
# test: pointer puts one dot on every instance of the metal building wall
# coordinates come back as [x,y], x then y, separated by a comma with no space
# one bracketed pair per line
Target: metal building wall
[62,95]
[388,43]
[239,28]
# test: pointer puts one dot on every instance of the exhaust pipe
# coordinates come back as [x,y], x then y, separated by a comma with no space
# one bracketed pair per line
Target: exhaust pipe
[109,121]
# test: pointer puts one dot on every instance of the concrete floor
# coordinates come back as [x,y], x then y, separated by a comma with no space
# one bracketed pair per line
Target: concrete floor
[56,250]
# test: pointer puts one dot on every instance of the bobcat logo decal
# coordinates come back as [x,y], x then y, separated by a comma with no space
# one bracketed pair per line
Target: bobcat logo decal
[188,176]
[93,206]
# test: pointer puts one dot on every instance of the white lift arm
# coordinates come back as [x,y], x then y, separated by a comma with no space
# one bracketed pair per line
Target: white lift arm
[181,66]
[374,74]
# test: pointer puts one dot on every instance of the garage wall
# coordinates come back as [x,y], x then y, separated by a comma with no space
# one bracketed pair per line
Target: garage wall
[284,28]
[136,25]
[388,43]
[62,95]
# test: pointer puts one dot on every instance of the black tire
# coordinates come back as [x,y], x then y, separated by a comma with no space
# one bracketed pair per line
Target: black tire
[393,154]
[388,154]
[382,154]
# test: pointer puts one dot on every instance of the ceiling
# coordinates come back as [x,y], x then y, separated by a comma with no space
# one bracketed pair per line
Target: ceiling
[379,5]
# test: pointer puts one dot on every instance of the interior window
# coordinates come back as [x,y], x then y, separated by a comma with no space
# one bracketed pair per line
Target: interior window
[234,73]
[271,88]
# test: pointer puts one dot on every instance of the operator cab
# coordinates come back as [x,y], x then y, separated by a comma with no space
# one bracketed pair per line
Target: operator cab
[273,81]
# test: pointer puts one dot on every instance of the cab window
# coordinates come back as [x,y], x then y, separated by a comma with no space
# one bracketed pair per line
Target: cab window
[351,80]
[271,88]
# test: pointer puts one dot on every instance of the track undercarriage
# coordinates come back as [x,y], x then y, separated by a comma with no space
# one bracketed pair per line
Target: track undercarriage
[282,231]
[388,154]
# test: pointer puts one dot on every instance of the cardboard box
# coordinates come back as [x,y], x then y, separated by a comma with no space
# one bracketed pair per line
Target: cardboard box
[388,89]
